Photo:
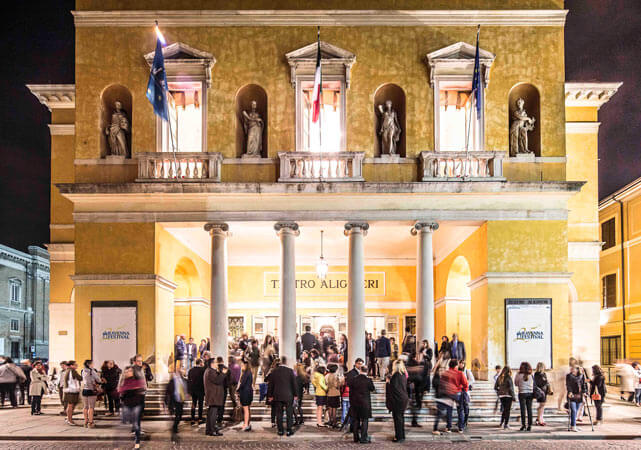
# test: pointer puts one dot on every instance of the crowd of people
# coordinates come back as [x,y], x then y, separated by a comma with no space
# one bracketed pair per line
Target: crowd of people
[342,394]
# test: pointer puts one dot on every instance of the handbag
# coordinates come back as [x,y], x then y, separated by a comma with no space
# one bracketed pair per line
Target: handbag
[539,395]
[548,389]
[596,396]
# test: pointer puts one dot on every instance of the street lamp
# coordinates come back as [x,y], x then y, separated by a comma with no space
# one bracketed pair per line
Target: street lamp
[321,265]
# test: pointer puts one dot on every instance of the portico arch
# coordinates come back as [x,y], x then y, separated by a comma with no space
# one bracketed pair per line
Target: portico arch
[457,300]
[187,294]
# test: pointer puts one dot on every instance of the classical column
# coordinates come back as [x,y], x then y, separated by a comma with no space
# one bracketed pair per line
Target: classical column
[424,282]
[356,292]
[287,231]
[218,307]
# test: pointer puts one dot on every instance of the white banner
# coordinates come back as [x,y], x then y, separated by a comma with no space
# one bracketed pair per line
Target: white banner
[113,331]
[528,331]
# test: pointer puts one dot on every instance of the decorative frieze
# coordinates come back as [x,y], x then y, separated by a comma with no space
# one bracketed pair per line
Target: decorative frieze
[589,94]
[55,95]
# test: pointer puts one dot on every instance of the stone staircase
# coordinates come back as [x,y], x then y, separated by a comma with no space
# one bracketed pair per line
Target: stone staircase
[481,407]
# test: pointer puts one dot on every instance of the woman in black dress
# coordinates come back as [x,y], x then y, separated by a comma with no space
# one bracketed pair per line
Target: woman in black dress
[246,393]
[396,398]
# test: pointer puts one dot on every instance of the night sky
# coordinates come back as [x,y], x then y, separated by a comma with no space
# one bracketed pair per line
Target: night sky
[603,43]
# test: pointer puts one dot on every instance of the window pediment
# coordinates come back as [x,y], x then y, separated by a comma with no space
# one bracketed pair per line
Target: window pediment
[458,59]
[183,62]
[334,60]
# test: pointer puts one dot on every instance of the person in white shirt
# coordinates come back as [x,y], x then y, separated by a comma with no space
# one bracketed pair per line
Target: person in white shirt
[637,383]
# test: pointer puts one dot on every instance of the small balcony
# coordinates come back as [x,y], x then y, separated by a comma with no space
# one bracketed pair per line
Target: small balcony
[462,166]
[183,167]
[297,167]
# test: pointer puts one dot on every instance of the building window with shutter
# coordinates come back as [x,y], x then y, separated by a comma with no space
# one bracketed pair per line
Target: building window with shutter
[609,290]
[608,233]
[15,325]
[610,348]
[15,291]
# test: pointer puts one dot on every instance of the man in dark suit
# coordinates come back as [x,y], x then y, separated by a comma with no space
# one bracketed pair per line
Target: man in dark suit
[282,391]
[191,353]
[383,353]
[308,339]
[196,388]
[457,348]
[409,342]
[328,341]
[360,389]
[370,345]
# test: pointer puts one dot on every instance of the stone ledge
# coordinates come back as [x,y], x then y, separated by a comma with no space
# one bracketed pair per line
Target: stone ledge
[175,187]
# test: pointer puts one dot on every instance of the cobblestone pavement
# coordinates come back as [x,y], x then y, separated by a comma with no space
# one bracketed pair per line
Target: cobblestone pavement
[316,445]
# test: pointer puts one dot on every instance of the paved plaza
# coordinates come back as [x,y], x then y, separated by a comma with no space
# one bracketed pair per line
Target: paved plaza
[20,430]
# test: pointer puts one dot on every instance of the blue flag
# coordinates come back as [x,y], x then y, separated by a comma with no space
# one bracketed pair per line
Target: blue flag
[157,86]
[476,81]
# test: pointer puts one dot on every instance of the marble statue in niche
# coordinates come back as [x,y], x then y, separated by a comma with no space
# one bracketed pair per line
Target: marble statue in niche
[253,125]
[390,130]
[521,125]
[117,131]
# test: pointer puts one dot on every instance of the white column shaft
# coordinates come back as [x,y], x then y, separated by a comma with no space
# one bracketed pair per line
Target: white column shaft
[218,307]
[356,296]
[424,287]
[287,320]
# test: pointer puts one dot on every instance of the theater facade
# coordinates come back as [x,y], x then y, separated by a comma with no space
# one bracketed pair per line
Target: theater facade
[434,215]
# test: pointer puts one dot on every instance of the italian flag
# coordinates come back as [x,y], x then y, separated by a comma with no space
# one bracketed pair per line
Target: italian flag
[318,86]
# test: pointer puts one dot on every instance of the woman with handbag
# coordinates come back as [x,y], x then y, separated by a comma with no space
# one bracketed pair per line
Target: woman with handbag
[38,387]
[576,387]
[597,392]
[541,391]
[90,387]
[71,390]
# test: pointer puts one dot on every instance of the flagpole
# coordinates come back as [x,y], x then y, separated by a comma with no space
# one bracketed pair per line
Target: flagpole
[320,112]
[171,134]
[473,97]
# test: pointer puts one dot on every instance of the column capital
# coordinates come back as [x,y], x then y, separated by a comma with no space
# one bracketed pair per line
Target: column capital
[356,226]
[220,228]
[287,227]
[426,227]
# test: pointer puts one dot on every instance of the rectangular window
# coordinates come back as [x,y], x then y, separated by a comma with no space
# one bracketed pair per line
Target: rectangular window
[609,290]
[608,234]
[15,325]
[331,118]
[186,117]
[458,124]
[14,291]
[15,350]
[610,349]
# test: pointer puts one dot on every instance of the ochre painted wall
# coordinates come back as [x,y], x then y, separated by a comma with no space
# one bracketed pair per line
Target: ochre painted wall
[384,55]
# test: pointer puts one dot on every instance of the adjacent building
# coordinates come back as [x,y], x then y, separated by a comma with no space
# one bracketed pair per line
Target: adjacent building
[439,209]
[620,220]
[24,303]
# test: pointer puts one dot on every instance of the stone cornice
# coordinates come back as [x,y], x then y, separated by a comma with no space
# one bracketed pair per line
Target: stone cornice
[432,187]
[589,93]
[520,278]
[61,252]
[126,279]
[54,96]
[258,18]
[62,129]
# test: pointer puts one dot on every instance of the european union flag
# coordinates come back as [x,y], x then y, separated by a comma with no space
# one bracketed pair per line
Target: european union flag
[157,86]
[476,81]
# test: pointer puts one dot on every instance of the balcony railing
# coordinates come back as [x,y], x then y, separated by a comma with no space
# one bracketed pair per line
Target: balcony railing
[464,166]
[309,167]
[179,167]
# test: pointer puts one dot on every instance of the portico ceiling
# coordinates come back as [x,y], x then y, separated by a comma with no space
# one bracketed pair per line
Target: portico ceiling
[387,243]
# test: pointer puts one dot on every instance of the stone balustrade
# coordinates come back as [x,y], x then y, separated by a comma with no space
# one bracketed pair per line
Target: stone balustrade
[464,166]
[167,166]
[312,167]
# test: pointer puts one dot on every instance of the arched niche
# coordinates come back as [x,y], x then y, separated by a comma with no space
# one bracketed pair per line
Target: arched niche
[457,279]
[244,98]
[532,106]
[187,279]
[108,98]
[396,94]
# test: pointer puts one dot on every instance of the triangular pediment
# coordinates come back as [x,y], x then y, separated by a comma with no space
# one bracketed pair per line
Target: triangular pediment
[182,52]
[328,52]
[460,51]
